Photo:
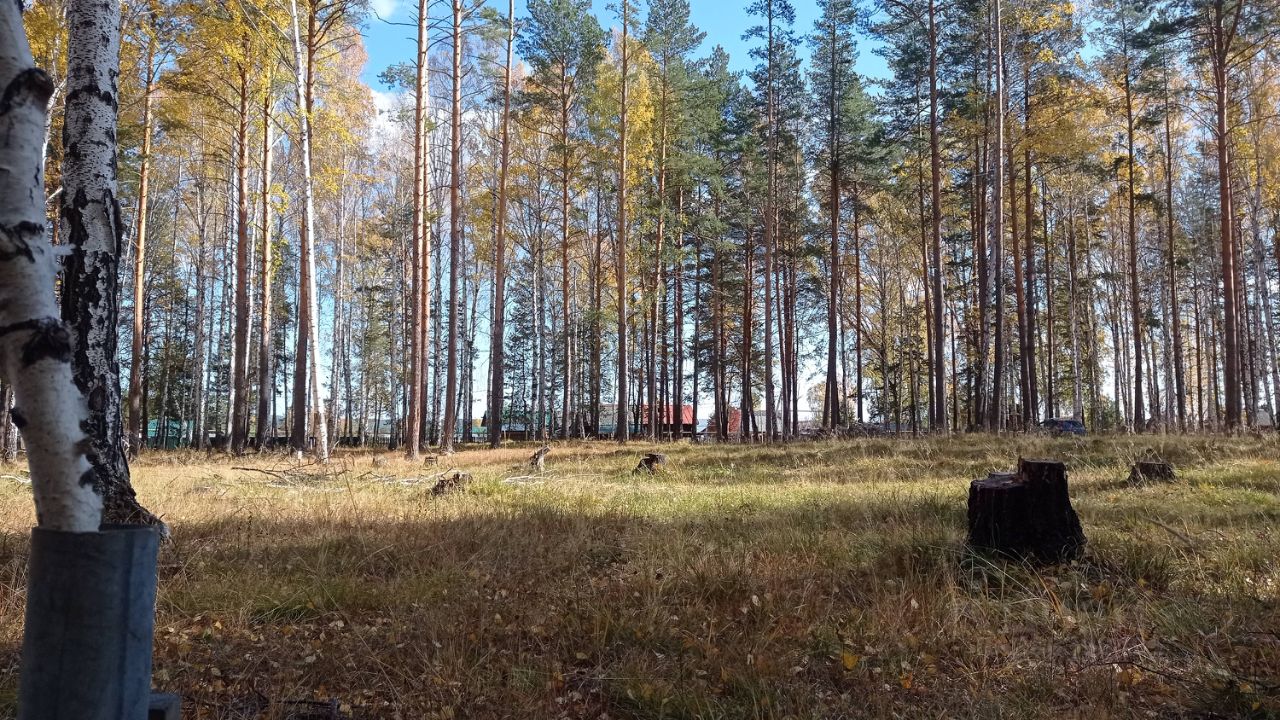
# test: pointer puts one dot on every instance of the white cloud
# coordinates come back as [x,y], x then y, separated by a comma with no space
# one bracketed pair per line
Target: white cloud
[385,8]
[387,103]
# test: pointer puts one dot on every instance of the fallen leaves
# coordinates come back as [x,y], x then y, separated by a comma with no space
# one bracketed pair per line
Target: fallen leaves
[849,660]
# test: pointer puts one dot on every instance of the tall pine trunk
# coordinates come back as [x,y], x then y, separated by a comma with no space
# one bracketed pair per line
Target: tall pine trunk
[770,238]
[455,237]
[137,409]
[938,391]
[995,267]
[1135,309]
[240,344]
[1175,318]
[622,416]
[831,396]
[1222,35]
[418,282]
[266,376]
[497,336]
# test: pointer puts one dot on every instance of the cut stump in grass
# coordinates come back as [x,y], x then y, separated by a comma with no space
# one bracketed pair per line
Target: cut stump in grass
[1145,471]
[1026,514]
[538,461]
[651,463]
[451,481]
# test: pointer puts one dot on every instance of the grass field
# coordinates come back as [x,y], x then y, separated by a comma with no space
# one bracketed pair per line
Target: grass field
[818,580]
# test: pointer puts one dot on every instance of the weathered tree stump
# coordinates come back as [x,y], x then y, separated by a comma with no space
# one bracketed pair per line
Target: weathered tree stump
[651,463]
[537,461]
[451,482]
[164,706]
[1026,514]
[1152,470]
[310,710]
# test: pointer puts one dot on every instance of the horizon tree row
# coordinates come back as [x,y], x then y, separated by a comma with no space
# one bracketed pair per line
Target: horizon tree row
[560,225]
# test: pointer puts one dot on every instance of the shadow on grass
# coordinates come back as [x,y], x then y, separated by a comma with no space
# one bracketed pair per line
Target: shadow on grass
[821,608]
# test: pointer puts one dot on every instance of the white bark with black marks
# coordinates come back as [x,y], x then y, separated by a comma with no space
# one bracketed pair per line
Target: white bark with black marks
[320,431]
[35,347]
[94,229]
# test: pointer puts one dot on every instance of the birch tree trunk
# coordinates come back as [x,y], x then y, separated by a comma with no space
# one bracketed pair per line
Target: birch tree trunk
[35,346]
[338,341]
[1077,394]
[93,227]
[308,304]
[199,351]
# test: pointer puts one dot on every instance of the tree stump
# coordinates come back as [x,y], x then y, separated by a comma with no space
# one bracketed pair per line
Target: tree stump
[537,461]
[1153,470]
[451,482]
[164,706]
[310,710]
[651,463]
[1026,514]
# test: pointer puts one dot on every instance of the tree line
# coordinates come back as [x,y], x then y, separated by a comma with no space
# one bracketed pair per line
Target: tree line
[555,225]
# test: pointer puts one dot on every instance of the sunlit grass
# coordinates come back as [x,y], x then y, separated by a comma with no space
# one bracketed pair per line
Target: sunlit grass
[808,581]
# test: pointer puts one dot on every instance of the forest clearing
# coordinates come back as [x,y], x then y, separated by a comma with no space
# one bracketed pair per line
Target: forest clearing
[831,359]
[817,580]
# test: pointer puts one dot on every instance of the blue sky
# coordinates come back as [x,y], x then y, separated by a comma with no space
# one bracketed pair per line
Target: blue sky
[723,21]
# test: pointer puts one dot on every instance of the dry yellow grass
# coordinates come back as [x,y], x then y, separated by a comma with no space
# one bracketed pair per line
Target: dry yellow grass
[820,580]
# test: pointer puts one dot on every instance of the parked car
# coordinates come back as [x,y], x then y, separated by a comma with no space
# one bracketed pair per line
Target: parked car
[1063,426]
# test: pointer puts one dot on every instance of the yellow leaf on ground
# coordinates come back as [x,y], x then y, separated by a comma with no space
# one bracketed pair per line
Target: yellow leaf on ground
[849,660]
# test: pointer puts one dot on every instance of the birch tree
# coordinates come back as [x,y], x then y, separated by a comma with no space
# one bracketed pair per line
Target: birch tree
[35,345]
[308,327]
[93,228]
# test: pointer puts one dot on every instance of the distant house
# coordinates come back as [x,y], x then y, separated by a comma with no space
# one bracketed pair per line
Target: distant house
[168,434]
[668,419]
[515,426]
[733,422]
